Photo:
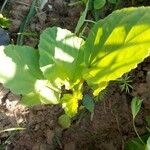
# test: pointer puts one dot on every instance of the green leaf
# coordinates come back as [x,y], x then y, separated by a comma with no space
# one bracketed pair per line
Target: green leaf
[44,93]
[148,144]
[19,69]
[88,103]
[82,18]
[64,121]
[135,106]
[135,143]
[98,4]
[59,49]
[116,45]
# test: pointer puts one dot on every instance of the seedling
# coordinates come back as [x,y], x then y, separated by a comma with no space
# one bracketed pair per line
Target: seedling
[125,83]
[135,108]
[141,142]
[115,45]
[4,22]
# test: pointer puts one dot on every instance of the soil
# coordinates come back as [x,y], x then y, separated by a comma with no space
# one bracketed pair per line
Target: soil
[111,126]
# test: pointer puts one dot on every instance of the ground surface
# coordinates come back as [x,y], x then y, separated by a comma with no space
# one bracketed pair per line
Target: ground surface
[111,125]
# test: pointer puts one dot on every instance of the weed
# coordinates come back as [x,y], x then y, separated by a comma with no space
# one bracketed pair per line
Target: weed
[141,142]
[125,83]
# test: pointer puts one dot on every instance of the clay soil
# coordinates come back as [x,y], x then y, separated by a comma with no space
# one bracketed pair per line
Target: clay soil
[111,126]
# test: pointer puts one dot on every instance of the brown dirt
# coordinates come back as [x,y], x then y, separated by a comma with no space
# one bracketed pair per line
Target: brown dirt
[111,125]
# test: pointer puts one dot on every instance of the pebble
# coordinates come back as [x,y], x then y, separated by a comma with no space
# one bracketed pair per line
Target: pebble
[4,37]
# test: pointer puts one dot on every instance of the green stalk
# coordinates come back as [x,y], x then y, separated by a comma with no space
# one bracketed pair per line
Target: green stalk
[75,3]
[4,4]
[137,132]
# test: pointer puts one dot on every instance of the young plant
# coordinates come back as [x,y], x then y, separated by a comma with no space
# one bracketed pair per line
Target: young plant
[55,73]
[125,83]
[4,22]
[135,108]
[140,142]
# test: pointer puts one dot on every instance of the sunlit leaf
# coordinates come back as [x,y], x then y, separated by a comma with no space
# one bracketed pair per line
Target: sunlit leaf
[58,49]
[44,93]
[19,69]
[116,45]
[70,103]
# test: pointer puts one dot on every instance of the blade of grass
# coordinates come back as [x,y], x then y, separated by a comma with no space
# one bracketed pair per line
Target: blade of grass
[82,19]
[26,21]
[3,6]
[12,129]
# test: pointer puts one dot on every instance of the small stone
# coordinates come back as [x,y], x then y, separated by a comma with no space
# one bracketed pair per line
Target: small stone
[4,37]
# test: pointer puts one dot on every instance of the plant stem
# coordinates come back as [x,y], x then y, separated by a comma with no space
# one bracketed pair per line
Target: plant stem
[4,4]
[137,132]
[90,21]
[75,3]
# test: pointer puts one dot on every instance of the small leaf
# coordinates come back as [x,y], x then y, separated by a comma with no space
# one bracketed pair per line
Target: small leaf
[135,106]
[64,121]
[88,103]
[98,4]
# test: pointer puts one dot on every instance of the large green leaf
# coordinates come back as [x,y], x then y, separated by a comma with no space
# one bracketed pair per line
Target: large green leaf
[59,49]
[19,69]
[117,44]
